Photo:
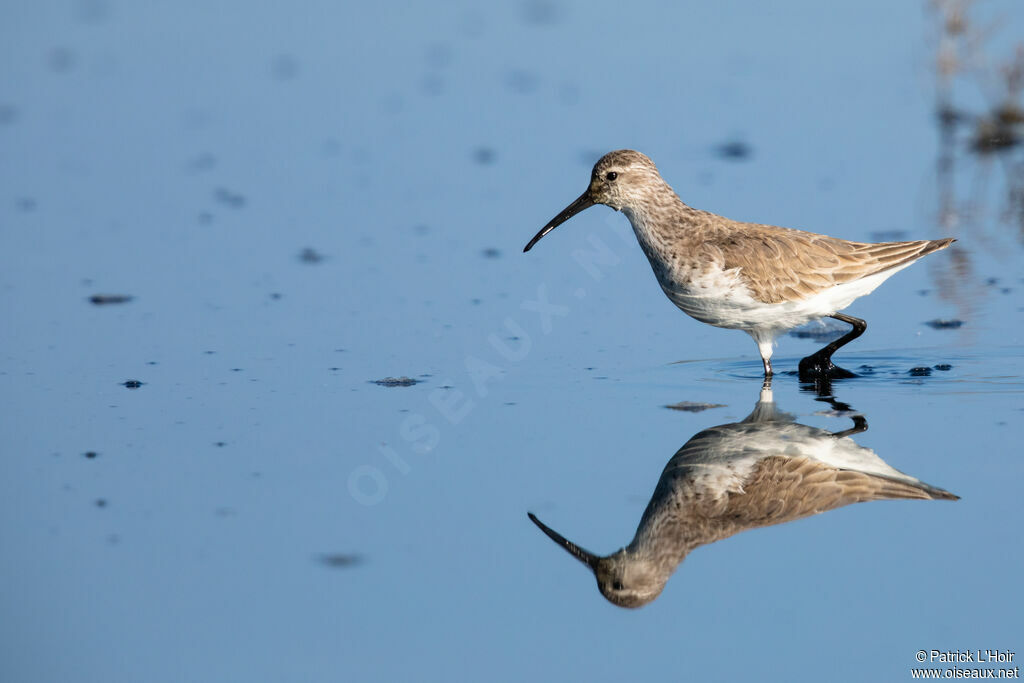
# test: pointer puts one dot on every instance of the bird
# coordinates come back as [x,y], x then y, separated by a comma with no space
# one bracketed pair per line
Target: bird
[762,279]
[765,470]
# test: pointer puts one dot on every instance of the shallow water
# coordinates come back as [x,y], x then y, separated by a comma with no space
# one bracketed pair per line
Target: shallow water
[301,205]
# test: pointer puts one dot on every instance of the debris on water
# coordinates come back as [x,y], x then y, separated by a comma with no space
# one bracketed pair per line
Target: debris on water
[819,331]
[61,59]
[235,200]
[491,252]
[101,502]
[311,255]
[275,295]
[993,135]
[944,367]
[438,55]
[734,150]
[340,560]
[107,299]
[920,371]
[284,67]
[202,162]
[396,381]
[522,82]
[693,407]
[90,454]
[432,84]
[485,156]
[540,12]
[220,444]
[132,384]
[940,324]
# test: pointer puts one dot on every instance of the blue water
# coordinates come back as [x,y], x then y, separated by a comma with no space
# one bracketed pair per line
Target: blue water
[259,510]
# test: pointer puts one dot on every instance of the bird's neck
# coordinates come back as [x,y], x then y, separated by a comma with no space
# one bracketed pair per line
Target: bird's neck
[660,222]
[663,539]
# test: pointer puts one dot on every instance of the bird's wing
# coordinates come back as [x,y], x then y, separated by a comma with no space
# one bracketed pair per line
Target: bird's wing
[780,264]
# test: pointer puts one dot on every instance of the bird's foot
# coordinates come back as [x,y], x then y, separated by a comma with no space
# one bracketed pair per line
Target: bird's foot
[817,367]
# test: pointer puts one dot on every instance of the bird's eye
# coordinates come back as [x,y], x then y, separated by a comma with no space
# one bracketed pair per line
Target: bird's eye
[611,175]
[616,585]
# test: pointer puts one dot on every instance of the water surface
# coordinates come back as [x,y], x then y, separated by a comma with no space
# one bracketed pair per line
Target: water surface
[300,203]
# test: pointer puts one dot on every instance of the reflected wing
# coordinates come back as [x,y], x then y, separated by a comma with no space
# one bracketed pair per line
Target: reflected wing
[782,489]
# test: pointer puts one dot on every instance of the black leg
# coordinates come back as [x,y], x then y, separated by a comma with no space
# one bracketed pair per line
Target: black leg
[819,363]
[860,423]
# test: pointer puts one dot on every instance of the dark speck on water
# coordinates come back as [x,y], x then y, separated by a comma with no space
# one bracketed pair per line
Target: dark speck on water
[734,150]
[132,384]
[101,502]
[311,255]
[693,407]
[540,12]
[396,381]
[939,324]
[202,162]
[107,299]
[920,371]
[90,454]
[491,252]
[340,560]
[61,59]
[284,68]
[993,136]
[522,82]
[25,204]
[944,367]
[485,156]
[235,200]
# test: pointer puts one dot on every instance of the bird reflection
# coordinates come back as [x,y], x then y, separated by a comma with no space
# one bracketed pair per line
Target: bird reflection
[762,471]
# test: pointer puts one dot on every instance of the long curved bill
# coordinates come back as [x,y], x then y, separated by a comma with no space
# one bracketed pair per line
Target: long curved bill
[585,556]
[582,202]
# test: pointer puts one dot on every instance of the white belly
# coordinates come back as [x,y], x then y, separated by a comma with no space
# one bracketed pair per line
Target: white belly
[720,298]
